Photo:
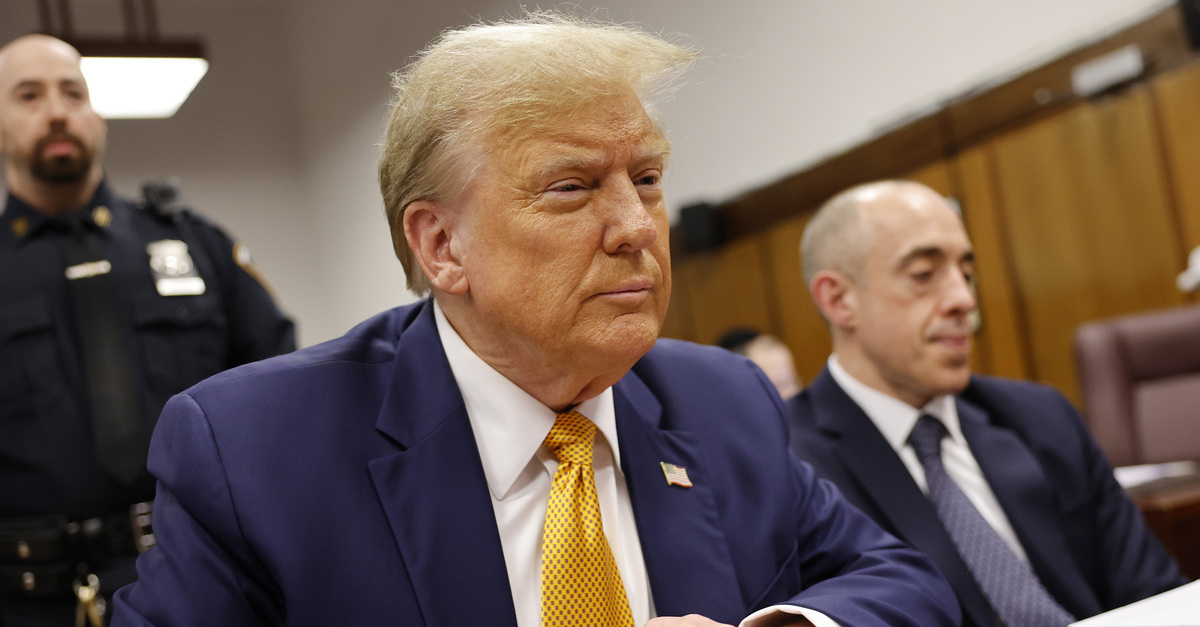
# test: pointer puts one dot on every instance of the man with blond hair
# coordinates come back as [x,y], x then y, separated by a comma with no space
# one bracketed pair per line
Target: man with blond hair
[997,481]
[515,451]
[107,308]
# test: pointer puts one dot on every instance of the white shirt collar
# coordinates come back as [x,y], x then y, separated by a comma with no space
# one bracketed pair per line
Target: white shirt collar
[509,424]
[893,417]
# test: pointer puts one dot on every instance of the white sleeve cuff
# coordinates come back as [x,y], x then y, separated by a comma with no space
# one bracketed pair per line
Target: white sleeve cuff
[763,617]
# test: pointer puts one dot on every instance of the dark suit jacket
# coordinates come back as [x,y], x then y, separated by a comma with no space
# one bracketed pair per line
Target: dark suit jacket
[1088,543]
[341,485]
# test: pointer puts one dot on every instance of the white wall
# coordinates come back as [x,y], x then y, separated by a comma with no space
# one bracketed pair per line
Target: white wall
[279,141]
[787,84]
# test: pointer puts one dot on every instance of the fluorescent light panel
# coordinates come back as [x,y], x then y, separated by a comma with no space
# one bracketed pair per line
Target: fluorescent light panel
[141,87]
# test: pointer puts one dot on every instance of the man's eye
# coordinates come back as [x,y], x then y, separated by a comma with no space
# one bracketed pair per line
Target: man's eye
[648,179]
[567,187]
[922,277]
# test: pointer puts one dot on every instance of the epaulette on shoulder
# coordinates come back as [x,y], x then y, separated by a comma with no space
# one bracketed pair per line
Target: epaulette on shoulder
[164,200]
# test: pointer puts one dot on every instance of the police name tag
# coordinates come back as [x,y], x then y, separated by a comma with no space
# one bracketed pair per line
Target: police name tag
[174,272]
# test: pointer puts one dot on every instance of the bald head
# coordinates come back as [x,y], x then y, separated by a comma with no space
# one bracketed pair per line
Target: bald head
[36,45]
[892,271]
[843,229]
[50,136]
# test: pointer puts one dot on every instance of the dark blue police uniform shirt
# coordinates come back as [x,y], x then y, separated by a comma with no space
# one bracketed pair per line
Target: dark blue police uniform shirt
[46,460]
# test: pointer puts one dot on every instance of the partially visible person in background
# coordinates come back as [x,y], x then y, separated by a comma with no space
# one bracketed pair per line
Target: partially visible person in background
[107,308]
[767,352]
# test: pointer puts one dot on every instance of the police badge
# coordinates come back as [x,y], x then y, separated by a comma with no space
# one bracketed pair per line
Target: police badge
[174,272]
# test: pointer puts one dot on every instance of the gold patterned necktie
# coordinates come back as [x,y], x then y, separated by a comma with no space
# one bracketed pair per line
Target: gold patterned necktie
[581,585]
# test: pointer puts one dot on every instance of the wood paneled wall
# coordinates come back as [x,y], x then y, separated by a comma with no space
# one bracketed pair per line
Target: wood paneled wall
[1081,210]
[802,327]
[1000,349]
[1089,224]
[1177,104]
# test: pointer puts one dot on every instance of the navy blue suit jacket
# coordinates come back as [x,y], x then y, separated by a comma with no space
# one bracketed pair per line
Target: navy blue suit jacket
[1087,542]
[341,485]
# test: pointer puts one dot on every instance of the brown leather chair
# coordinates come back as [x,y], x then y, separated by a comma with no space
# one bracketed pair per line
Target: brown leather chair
[1140,378]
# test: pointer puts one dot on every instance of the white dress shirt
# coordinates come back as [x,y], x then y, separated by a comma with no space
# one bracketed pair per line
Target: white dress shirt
[895,419]
[509,426]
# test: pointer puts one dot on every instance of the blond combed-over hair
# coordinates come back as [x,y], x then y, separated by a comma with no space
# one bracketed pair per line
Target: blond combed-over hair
[514,77]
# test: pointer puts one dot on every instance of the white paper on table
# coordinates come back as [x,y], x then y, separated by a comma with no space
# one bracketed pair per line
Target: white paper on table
[1174,608]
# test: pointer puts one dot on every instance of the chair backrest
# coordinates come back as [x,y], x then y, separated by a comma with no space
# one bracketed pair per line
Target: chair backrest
[1140,377]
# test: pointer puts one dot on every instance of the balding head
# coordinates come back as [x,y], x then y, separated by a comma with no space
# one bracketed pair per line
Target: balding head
[892,271]
[841,232]
[835,238]
[36,44]
[50,136]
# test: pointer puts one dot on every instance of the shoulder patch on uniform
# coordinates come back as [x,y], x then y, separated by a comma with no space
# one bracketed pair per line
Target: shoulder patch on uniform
[241,256]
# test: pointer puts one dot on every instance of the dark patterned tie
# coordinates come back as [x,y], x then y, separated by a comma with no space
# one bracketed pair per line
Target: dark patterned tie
[1009,584]
[120,437]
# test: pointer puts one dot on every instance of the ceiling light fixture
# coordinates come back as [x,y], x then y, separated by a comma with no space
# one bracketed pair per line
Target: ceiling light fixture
[140,76]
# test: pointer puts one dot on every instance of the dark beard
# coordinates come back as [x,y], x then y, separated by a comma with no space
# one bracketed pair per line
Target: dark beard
[60,170]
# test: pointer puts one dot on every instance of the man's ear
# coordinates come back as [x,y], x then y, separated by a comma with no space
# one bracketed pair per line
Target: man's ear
[429,228]
[836,297]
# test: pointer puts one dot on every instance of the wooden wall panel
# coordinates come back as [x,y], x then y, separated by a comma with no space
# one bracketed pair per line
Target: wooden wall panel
[1001,347]
[678,323]
[801,326]
[935,176]
[1089,221]
[1177,95]
[724,288]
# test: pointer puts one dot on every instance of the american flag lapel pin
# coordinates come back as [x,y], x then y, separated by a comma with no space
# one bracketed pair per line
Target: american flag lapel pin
[676,475]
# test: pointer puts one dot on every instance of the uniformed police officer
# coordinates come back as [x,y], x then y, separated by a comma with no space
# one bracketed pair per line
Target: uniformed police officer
[107,308]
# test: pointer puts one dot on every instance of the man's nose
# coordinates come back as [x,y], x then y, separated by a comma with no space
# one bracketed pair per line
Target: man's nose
[56,107]
[631,227]
[961,295]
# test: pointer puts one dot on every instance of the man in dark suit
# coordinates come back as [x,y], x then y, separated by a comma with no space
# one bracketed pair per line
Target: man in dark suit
[516,449]
[997,481]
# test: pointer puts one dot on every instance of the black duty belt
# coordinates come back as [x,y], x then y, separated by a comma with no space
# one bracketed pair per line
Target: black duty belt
[45,556]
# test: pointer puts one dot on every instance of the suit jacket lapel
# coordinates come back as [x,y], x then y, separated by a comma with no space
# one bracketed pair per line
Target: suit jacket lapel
[434,492]
[1023,491]
[889,485]
[679,528]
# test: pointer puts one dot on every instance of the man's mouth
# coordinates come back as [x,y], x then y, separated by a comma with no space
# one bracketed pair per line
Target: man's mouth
[60,145]
[636,285]
[952,341]
[632,290]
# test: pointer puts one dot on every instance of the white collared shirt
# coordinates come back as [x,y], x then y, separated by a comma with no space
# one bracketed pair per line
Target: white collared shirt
[895,419]
[509,426]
